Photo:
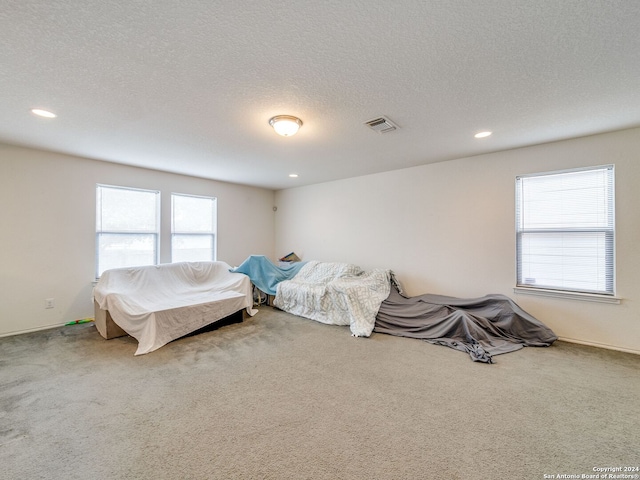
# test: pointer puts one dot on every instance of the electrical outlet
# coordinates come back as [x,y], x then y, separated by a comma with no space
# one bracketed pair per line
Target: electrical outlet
[49,303]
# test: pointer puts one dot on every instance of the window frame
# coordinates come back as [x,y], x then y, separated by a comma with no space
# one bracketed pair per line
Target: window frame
[156,233]
[213,234]
[606,296]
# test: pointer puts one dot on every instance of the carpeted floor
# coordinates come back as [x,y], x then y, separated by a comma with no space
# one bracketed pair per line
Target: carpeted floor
[280,397]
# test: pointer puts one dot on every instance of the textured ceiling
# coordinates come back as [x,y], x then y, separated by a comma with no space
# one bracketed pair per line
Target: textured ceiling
[189,86]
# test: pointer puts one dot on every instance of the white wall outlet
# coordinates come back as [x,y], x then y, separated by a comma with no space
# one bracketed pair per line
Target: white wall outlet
[49,303]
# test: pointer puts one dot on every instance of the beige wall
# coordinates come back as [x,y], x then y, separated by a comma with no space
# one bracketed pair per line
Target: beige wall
[47,248]
[444,228]
[448,228]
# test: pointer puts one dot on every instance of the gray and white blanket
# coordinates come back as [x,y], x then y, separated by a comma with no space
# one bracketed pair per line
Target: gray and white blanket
[367,301]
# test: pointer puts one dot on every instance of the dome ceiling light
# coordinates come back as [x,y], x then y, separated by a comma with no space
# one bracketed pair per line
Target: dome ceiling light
[285,125]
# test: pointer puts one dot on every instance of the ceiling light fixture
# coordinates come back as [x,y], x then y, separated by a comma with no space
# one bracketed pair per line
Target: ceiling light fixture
[285,125]
[482,134]
[293,175]
[43,113]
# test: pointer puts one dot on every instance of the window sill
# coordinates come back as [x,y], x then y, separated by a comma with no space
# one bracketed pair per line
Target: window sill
[586,297]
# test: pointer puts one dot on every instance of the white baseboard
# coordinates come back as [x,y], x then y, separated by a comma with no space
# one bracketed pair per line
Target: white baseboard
[30,330]
[600,345]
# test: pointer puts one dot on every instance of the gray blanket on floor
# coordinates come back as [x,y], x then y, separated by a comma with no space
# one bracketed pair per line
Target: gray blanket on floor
[482,327]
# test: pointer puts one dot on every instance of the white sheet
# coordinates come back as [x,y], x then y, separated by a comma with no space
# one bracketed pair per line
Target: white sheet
[336,294]
[158,304]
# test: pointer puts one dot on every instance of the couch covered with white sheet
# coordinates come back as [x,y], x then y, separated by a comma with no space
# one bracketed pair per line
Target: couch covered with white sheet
[160,303]
[336,294]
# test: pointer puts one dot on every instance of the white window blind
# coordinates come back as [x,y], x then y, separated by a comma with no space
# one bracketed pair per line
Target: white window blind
[127,227]
[565,230]
[193,228]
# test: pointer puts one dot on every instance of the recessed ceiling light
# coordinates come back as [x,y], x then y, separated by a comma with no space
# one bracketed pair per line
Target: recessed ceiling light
[293,175]
[482,134]
[285,125]
[43,113]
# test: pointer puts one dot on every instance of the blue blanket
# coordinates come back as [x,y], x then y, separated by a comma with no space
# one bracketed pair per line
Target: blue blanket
[264,274]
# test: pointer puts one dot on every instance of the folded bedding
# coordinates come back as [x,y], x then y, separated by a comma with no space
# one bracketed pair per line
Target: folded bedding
[482,327]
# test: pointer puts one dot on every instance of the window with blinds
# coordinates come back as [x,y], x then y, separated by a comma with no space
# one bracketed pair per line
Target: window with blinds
[565,230]
[127,227]
[193,228]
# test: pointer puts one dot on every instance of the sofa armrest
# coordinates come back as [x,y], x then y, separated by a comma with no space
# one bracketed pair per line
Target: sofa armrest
[105,324]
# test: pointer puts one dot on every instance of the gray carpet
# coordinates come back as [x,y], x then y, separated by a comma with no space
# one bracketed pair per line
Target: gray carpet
[280,397]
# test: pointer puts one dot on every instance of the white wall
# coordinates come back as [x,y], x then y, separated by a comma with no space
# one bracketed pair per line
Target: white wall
[448,228]
[47,246]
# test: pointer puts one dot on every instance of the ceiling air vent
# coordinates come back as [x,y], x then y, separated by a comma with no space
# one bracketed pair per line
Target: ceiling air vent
[381,125]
